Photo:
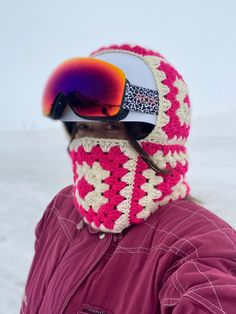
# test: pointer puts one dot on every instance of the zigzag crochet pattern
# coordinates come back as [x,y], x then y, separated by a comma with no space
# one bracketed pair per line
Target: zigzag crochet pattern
[113,186]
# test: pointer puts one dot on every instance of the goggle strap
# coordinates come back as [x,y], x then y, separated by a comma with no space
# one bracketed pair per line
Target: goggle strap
[141,99]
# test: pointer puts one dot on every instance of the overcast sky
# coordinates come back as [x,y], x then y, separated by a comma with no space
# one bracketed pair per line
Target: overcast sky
[197,37]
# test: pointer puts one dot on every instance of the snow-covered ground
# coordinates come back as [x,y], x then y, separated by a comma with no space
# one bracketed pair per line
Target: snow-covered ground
[34,166]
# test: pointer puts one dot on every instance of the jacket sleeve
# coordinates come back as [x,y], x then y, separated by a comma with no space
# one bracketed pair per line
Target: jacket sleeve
[205,283]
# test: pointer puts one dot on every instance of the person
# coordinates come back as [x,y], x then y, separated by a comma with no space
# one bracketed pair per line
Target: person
[126,237]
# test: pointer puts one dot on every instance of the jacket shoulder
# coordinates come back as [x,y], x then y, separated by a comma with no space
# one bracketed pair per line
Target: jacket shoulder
[188,230]
[59,213]
[64,193]
[187,217]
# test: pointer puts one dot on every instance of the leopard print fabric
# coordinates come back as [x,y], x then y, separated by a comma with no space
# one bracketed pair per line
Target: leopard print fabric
[141,99]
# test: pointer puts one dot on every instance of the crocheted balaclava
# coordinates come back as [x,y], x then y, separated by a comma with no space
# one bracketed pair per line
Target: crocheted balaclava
[113,186]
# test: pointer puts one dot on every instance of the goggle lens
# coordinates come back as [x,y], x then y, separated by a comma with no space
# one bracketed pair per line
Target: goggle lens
[92,86]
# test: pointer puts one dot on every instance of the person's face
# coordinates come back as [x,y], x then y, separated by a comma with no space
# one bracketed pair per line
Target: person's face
[116,130]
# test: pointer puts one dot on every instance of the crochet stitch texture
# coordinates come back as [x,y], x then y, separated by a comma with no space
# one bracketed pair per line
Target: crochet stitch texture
[113,186]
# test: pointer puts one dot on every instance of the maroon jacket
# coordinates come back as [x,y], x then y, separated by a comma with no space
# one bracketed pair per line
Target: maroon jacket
[181,260]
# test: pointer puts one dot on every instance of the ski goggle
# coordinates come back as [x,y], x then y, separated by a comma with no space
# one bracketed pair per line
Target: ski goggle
[96,90]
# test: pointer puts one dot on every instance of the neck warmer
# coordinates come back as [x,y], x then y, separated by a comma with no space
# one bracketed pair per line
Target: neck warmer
[114,187]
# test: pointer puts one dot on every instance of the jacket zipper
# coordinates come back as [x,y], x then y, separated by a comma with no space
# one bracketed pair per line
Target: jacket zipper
[112,246]
[91,310]
[84,276]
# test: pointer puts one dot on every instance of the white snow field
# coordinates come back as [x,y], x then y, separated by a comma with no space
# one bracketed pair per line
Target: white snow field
[34,166]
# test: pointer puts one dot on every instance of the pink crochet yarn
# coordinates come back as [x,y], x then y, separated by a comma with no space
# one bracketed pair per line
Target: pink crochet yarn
[126,47]
[113,186]
[174,127]
[114,163]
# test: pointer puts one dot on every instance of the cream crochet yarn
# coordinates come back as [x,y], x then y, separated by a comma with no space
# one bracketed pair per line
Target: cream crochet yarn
[113,186]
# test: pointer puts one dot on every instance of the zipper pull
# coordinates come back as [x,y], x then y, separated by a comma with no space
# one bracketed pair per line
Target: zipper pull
[117,237]
[114,237]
